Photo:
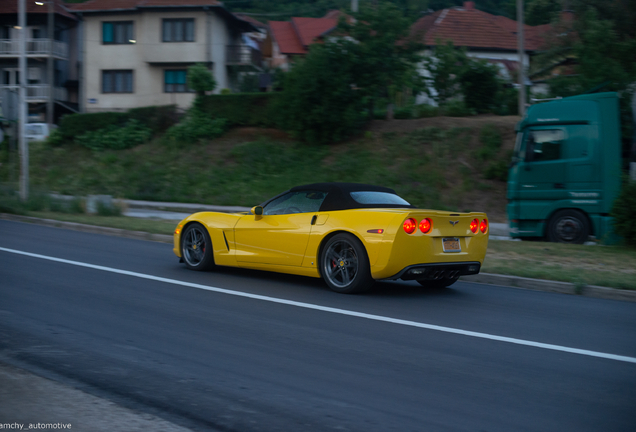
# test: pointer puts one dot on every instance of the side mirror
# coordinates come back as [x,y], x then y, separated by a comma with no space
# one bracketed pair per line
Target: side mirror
[257,210]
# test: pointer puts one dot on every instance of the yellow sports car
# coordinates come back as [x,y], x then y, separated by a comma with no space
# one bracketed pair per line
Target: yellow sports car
[349,234]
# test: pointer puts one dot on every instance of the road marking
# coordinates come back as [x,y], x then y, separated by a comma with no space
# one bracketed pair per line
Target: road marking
[334,310]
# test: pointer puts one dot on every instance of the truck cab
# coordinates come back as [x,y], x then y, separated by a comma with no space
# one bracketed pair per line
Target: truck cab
[566,172]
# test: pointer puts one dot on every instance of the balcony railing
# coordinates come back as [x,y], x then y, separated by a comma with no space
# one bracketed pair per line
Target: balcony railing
[243,55]
[34,48]
[40,92]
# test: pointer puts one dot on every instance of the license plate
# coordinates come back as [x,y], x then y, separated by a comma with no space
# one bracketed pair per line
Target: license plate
[451,245]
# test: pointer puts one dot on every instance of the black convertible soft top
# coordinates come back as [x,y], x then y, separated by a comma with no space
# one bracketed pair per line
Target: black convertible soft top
[339,195]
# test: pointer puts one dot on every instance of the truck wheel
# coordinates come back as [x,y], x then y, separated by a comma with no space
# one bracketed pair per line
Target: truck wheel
[568,226]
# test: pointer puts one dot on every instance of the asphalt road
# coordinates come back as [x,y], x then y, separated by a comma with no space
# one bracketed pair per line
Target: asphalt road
[237,350]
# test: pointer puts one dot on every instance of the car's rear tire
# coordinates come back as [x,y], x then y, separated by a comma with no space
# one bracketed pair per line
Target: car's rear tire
[344,265]
[196,248]
[437,284]
[568,226]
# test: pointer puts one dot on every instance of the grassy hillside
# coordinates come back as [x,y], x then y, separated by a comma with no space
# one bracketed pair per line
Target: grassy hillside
[443,162]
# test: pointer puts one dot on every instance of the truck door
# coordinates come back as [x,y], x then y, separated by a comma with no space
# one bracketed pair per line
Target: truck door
[541,172]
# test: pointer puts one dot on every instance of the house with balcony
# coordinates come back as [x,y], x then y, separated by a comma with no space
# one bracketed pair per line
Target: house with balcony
[136,52]
[58,82]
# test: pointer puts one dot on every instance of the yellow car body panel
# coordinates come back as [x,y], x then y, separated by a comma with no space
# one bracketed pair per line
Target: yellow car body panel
[292,243]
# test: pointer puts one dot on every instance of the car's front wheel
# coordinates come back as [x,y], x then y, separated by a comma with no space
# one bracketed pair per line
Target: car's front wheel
[196,248]
[344,265]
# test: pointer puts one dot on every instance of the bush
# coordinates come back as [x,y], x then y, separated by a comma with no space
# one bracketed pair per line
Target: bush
[457,109]
[156,118]
[497,170]
[422,111]
[479,85]
[196,126]
[116,138]
[623,211]
[74,125]
[403,113]
[241,109]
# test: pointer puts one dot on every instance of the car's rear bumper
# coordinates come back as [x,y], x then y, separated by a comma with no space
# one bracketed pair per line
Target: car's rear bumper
[437,271]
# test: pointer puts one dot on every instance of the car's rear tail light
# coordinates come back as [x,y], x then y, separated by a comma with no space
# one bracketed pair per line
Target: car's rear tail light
[474,225]
[410,225]
[483,226]
[426,225]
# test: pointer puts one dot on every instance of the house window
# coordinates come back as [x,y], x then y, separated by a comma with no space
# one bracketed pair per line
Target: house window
[117,32]
[175,81]
[117,81]
[178,30]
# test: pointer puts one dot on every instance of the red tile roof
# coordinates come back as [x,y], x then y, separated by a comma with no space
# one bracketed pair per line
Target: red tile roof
[309,29]
[295,37]
[111,5]
[285,35]
[472,28]
[11,7]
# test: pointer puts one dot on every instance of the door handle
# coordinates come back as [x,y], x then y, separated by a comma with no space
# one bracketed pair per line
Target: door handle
[313,219]
[559,186]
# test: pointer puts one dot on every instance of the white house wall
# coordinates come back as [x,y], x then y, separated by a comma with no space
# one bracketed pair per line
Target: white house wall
[149,57]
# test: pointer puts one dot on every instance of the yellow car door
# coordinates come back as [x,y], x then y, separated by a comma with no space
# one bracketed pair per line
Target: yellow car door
[280,235]
[273,239]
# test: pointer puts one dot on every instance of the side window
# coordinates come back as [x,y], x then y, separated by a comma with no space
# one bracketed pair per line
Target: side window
[544,145]
[117,32]
[295,202]
[178,30]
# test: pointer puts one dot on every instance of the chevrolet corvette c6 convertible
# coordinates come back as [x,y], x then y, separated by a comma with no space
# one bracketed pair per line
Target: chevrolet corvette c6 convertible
[348,234]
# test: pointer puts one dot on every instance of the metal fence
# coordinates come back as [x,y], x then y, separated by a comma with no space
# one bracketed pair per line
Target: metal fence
[243,55]
[40,92]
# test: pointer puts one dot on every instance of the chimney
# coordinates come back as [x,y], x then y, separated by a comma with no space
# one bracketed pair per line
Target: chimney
[469,5]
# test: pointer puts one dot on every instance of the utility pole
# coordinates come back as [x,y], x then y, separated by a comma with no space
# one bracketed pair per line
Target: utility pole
[522,75]
[354,5]
[23,144]
[50,73]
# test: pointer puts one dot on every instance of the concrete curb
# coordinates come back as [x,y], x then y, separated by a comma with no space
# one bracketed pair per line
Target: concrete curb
[552,286]
[484,278]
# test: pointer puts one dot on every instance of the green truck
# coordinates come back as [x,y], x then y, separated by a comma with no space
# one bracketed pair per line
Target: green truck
[566,169]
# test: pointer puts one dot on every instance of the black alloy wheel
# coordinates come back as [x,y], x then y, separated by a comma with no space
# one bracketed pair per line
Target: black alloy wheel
[196,248]
[344,265]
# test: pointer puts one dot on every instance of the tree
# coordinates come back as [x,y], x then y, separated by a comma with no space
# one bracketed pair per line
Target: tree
[445,66]
[200,79]
[319,103]
[382,56]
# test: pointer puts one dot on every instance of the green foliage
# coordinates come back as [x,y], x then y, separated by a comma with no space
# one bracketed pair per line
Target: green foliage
[319,103]
[195,127]
[422,111]
[624,211]
[479,84]
[116,138]
[74,125]
[243,109]
[456,109]
[200,79]
[537,12]
[453,74]
[506,101]
[497,170]
[380,65]
[445,65]
[249,83]
[157,118]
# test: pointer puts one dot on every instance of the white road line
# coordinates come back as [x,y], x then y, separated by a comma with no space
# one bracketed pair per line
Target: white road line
[335,310]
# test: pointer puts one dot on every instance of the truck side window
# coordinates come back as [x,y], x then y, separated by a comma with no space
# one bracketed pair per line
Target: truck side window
[545,145]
